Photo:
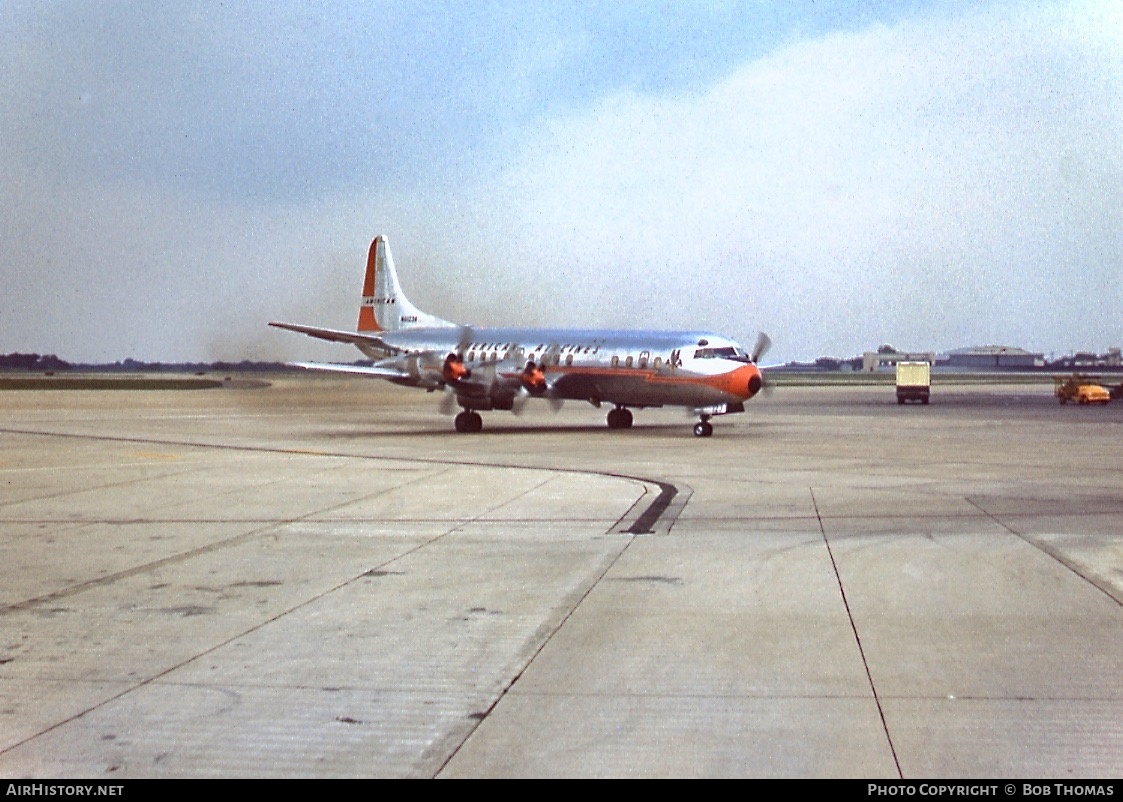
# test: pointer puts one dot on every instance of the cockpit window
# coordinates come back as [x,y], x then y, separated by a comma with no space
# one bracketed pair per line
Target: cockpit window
[727,352]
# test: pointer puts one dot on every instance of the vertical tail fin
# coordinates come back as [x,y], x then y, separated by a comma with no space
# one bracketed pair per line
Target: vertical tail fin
[384,306]
[368,321]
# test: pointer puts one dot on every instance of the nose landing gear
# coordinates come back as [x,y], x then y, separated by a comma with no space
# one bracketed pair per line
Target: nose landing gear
[703,428]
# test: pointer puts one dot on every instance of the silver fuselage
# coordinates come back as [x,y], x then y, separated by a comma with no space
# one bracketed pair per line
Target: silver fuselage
[627,368]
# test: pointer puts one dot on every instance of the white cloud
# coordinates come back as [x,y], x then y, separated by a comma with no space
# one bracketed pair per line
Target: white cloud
[933,184]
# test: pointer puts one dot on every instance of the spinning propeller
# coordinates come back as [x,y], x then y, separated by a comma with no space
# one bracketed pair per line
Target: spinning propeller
[763,343]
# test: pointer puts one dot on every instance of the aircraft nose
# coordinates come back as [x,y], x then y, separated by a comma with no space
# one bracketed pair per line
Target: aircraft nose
[744,382]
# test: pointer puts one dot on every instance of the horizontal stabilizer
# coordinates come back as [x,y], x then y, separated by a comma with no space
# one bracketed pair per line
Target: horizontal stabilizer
[335,335]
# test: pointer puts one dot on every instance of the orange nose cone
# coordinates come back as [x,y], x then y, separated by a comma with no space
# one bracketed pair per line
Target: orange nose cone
[743,382]
[753,380]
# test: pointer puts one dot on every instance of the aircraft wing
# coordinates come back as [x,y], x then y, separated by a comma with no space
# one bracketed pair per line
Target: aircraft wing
[335,335]
[420,369]
[371,370]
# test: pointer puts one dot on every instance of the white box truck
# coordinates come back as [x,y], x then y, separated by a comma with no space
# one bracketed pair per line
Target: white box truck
[913,380]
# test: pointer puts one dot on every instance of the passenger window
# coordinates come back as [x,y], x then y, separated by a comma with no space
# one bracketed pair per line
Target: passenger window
[615,361]
[569,359]
[628,362]
[658,362]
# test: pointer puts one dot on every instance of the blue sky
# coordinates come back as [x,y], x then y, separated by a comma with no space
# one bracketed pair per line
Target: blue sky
[933,175]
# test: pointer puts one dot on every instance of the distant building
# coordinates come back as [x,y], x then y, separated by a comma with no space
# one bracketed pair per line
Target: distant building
[887,357]
[993,356]
[1086,359]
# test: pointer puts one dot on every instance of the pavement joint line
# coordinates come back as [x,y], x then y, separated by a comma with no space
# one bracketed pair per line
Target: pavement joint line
[1050,552]
[154,678]
[385,564]
[299,452]
[64,493]
[649,518]
[285,522]
[482,717]
[630,514]
[346,520]
[967,739]
[136,570]
[857,637]
[498,506]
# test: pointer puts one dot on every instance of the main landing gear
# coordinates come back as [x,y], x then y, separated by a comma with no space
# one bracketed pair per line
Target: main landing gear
[620,418]
[469,422]
[703,428]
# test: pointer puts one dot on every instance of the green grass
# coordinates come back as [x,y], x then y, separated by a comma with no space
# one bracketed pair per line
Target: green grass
[104,383]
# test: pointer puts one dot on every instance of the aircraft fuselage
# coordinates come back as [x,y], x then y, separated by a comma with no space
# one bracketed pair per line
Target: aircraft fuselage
[623,367]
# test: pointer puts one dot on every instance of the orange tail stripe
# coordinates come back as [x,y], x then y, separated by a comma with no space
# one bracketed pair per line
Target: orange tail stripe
[367,320]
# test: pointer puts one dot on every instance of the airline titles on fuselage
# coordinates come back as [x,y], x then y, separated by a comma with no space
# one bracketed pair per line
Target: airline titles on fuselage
[596,351]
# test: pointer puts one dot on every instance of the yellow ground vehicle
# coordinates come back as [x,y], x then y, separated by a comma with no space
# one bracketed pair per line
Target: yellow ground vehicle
[1080,390]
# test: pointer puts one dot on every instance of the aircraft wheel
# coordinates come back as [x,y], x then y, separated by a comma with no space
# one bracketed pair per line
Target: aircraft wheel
[468,422]
[620,418]
[703,429]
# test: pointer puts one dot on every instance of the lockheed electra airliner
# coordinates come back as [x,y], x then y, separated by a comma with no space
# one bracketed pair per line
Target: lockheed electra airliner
[481,368]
